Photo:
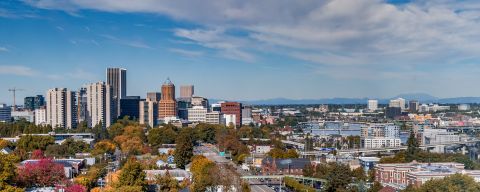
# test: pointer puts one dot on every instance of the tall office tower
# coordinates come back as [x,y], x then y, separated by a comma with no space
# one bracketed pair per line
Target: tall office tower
[82,105]
[167,106]
[233,108]
[186,91]
[117,79]
[41,116]
[61,108]
[148,112]
[182,107]
[32,103]
[199,101]
[5,113]
[413,106]
[129,106]
[154,96]
[372,105]
[100,105]
[397,103]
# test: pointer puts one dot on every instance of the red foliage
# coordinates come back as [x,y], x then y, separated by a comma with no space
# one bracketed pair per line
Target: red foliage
[73,188]
[42,173]
[37,154]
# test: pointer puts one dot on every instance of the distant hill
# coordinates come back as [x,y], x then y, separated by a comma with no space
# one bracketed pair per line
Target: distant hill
[421,97]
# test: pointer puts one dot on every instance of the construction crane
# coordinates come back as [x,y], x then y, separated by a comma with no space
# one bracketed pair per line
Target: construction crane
[14,91]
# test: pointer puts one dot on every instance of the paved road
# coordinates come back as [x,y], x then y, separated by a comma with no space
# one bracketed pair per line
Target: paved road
[261,188]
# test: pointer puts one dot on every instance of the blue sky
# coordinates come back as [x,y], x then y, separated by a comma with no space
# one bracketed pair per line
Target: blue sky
[244,50]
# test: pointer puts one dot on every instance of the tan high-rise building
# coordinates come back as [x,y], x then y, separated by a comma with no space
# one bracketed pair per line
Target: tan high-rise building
[61,108]
[148,112]
[167,106]
[186,91]
[100,104]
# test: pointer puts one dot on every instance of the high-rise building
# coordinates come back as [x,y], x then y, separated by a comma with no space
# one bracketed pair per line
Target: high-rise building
[61,108]
[182,107]
[197,114]
[32,103]
[397,103]
[413,106]
[41,116]
[82,105]
[247,115]
[167,106]
[117,79]
[148,112]
[186,91]
[100,105]
[372,105]
[233,108]
[129,106]
[154,96]
[5,113]
[199,101]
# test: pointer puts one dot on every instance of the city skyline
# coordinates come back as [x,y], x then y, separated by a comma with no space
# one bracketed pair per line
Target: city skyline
[380,48]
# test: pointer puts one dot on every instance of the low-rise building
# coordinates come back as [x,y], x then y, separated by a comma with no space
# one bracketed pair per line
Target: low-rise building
[380,142]
[214,117]
[197,114]
[41,116]
[292,166]
[401,175]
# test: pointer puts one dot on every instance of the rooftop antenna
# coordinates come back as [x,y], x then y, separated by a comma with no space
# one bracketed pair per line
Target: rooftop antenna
[14,91]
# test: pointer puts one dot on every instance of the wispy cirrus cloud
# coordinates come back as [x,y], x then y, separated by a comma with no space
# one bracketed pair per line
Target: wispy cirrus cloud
[17,70]
[130,43]
[4,49]
[187,53]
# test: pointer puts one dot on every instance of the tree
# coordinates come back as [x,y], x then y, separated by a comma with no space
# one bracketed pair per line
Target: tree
[184,148]
[132,174]
[30,142]
[42,173]
[359,174]
[104,146]
[7,172]
[308,170]
[413,148]
[202,179]
[159,136]
[167,183]
[338,178]
[68,148]
[375,187]
[453,183]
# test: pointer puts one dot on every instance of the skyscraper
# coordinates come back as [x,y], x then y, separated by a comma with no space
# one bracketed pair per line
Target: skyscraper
[82,105]
[167,106]
[99,105]
[129,106]
[32,103]
[233,108]
[117,79]
[148,110]
[372,105]
[413,106]
[154,96]
[61,108]
[186,91]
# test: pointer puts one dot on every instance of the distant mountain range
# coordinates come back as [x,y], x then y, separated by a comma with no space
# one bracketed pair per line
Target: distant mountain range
[421,97]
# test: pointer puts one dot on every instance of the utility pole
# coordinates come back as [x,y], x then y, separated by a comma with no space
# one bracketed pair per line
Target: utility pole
[14,91]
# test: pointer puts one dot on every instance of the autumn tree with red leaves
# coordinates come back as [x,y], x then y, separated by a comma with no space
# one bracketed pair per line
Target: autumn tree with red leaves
[42,173]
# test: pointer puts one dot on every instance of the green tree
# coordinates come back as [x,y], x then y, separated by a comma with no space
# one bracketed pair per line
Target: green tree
[413,148]
[167,183]
[7,172]
[375,187]
[159,136]
[184,148]
[453,183]
[132,174]
[359,174]
[30,143]
[338,178]
[308,170]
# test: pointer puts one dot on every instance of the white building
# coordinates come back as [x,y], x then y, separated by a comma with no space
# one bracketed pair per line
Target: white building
[263,149]
[40,116]
[372,105]
[148,112]
[400,102]
[438,136]
[197,114]
[380,142]
[27,115]
[61,110]
[214,117]
[100,106]
[230,119]
[463,107]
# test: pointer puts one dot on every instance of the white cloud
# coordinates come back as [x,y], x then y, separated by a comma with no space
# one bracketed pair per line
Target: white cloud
[131,43]
[331,33]
[17,70]
[3,49]
[187,53]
